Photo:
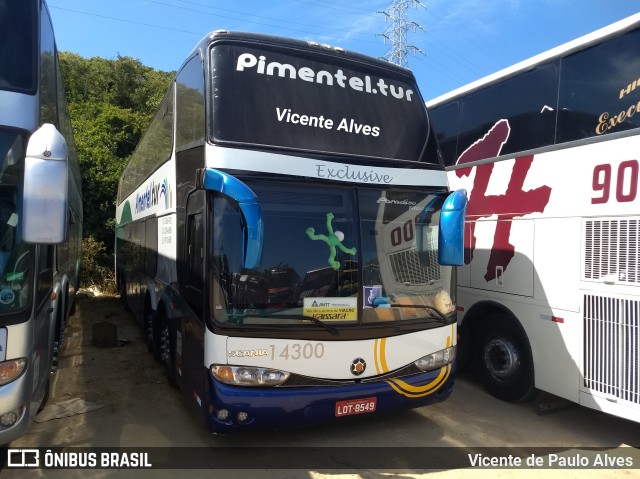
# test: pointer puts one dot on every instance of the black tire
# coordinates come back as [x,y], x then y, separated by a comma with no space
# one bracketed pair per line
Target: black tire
[170,359]
[166,347]
[502,359]
[45,399]
[73,299]
[463,348]
[147,325]
[156,331]
[122,290]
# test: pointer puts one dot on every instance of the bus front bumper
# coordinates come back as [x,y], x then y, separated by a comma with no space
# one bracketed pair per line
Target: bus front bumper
[14,402]
[234,408]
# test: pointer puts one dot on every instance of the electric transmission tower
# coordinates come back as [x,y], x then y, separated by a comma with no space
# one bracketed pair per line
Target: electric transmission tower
[396,33]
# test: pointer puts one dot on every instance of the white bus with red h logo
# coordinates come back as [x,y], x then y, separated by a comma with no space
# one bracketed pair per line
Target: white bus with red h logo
[548,150]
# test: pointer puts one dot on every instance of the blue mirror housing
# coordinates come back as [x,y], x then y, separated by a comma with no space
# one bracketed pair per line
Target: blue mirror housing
[247,201]
[451,233]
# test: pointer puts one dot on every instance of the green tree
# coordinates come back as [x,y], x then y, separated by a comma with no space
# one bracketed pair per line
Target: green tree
[111,103]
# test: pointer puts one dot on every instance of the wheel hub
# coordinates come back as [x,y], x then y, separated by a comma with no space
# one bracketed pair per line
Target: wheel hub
[502,358]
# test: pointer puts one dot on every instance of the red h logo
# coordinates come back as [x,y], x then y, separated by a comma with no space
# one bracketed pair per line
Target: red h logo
[515,202]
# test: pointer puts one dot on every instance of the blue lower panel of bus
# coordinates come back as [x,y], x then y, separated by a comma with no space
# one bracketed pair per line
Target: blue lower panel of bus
[248,408]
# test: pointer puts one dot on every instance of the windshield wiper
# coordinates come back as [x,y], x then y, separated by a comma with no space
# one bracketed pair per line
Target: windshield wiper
[299,317]
[417,306]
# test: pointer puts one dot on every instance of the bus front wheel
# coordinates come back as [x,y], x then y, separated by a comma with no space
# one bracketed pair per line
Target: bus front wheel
[503,360]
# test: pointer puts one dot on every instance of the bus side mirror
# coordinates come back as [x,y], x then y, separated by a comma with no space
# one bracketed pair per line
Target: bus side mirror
[45,187]
[247,201]
[451,232]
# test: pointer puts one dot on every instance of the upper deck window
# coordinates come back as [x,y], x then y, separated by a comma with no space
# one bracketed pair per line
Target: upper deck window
[600,89]
[18,45]
[289,99]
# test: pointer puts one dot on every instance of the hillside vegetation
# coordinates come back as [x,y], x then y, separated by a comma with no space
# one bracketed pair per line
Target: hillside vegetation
[111,103]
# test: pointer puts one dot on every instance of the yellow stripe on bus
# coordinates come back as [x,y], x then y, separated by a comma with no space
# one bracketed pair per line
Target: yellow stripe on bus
[380,355]
[410,391]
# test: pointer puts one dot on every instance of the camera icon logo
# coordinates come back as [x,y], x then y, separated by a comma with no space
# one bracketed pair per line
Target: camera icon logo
[23,458]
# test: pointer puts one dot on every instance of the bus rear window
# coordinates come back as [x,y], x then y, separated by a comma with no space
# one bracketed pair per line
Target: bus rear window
[279,98]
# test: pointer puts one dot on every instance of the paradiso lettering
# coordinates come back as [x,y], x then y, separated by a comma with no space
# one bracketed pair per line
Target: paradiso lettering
[151,196]
[322,77]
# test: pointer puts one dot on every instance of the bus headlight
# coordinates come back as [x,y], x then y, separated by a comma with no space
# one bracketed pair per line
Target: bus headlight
[248,375]
[11,370]
[437,360]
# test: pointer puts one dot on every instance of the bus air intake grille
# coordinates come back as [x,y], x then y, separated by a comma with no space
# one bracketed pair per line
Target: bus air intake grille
[406,267]
[612,250]
[611,338]
[297,380]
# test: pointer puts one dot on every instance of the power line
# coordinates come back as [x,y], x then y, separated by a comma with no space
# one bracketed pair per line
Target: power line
[125,20]
[462,34]
[396,33]
[341,8]
[257,22]
[317,34]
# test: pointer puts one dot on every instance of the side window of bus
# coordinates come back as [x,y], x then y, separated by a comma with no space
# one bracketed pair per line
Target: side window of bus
[66,128]
[445,125]
[527,101]
[195,252]
[151,246]
[48,90]
[600,90]
[17,46]
[190,105]
[154,148]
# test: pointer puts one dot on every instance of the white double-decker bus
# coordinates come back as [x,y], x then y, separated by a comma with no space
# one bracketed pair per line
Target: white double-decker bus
[40,212]
[549,152]
[285,234]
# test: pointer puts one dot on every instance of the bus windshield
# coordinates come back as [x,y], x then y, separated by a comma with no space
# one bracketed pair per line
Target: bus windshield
[337,249]
[279,98]
[14,253]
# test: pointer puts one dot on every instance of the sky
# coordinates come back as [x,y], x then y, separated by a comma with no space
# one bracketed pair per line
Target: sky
[459,41]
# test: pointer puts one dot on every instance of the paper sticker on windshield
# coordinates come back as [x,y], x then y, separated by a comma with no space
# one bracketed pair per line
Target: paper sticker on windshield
[371,293]
[332,309]
[15,276]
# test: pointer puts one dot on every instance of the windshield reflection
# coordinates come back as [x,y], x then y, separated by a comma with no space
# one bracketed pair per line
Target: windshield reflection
[339,248]
[14,253]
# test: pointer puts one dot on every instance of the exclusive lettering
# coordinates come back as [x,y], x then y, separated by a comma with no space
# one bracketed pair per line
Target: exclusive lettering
[351,173]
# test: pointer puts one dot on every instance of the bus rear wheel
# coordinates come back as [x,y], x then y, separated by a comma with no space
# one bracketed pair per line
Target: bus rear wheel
[502,359]
[165,347]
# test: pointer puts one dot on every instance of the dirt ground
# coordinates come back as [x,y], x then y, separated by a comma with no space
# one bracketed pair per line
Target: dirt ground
[119,397]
